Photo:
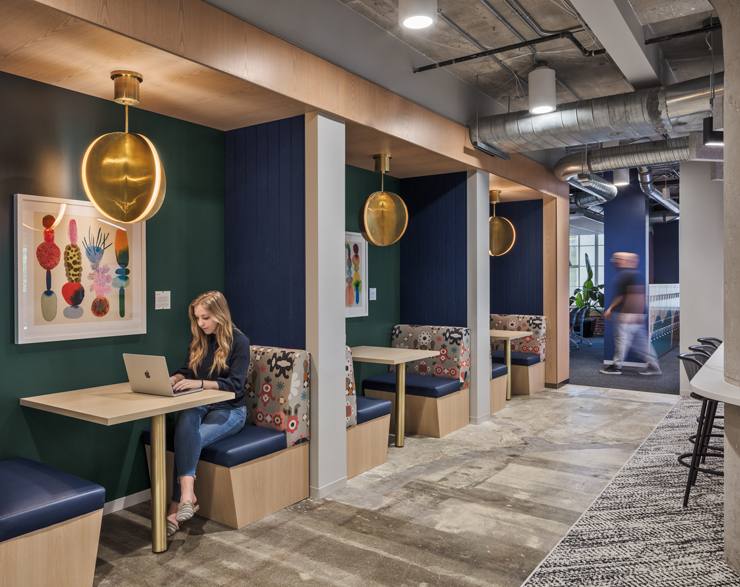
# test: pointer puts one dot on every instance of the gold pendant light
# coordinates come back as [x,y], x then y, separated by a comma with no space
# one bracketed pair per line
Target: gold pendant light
[122,174]
[501,232]
[384,216]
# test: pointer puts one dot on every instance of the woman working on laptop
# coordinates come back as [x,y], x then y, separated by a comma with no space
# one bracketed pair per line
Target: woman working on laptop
[218,358]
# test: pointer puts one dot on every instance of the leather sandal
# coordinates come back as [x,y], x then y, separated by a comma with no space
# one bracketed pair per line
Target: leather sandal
[185,511]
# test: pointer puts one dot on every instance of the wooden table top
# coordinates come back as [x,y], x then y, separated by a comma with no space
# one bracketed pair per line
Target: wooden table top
[389,355]
[510,334]
[114,404]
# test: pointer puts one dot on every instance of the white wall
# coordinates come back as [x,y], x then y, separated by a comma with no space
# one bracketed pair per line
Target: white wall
[701,258]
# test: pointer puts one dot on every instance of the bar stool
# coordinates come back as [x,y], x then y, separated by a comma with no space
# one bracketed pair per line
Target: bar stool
[701,440]
[715,342]
[706,349]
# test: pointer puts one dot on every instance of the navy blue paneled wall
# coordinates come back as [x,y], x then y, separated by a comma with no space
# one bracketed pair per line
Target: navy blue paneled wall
[265,232]
[516,277]
[434,251]
[665,252]
[625,230]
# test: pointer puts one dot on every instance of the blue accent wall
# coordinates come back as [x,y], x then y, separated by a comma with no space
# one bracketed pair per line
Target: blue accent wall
[665,239]
[434,251]
[516,277]
[265,232]
[625,230]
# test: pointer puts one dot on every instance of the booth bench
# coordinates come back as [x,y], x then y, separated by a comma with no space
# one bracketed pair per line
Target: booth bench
[437,394]
[264,467]
[499,375]
[527,354]
[368,424]
[49,526]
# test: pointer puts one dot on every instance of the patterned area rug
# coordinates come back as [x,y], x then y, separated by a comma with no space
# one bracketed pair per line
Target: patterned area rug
[638,533]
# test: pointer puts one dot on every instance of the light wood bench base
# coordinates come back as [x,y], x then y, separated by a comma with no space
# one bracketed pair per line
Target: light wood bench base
[498,393]
[527,380]
[367,445]
[430,416]
[243,494]
[62,555]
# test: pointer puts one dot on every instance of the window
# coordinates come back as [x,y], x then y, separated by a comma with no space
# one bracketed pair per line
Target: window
[580,246]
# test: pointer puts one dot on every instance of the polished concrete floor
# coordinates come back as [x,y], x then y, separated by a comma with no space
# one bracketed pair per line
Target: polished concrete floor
[482,506]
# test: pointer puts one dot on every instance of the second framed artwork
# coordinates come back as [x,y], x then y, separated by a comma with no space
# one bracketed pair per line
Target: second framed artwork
[355,275]
[77,275]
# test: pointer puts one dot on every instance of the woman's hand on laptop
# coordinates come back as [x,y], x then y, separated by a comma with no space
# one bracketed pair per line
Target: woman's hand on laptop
[184,384]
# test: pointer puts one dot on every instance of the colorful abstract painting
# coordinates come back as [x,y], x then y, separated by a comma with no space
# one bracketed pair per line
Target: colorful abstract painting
[100,274]
[355,275]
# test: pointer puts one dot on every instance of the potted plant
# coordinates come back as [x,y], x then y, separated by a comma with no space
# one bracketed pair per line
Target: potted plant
[589,296]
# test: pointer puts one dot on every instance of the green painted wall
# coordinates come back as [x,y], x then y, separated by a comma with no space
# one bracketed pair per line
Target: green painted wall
[45,131]
[384,273]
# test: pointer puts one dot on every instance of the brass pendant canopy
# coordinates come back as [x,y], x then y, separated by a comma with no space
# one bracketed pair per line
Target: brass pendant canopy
[122,174]
[384,217]
[501,231]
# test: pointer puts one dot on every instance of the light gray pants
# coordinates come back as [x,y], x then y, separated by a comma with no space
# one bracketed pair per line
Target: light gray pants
[630,332]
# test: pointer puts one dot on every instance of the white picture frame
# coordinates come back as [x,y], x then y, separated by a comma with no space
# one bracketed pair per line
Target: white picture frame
[354,243]
[49,303]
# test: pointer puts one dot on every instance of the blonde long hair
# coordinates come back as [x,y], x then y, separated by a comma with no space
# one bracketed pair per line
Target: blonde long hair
[215,304]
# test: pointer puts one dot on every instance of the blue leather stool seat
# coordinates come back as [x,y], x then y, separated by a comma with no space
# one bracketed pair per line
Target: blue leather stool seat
[369,408]
[426,386]
[498,371]
[34,496]
[251,442]
[524,359]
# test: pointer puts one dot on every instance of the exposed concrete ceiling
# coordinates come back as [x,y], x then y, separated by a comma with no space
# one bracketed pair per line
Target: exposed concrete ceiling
[586,77]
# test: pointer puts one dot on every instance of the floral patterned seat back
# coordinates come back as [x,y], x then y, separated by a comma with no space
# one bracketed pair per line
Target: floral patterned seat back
[535,343]
[453,343]
[278,390]
[350,391]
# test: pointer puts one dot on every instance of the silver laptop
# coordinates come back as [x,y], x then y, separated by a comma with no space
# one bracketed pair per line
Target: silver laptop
[149,374]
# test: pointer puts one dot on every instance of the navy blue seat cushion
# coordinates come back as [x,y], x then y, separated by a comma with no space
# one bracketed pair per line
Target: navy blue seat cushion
[499,371]
[369,408]
[251,442]
[34,496]
[524,359]
[423,385]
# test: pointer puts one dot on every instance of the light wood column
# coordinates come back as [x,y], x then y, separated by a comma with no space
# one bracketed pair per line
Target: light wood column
[555,283]
[325,331]
[479,297]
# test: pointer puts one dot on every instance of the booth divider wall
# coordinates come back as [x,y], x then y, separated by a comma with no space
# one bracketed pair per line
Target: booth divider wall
[46,130]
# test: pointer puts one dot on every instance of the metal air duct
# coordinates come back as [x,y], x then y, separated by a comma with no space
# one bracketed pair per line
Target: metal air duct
[656,111]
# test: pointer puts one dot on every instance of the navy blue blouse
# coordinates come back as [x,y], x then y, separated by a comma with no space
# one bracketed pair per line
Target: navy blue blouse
[230,379]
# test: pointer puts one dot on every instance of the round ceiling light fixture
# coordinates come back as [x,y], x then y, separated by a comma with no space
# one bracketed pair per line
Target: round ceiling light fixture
[122,174]
[541,90]
[417,14]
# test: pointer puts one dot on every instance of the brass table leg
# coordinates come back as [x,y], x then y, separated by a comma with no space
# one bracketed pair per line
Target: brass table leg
[507,354]
[400,403]
[159,485]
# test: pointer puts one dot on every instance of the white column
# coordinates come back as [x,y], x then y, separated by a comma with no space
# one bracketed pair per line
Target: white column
[701,270]
[479,299]
[325,331]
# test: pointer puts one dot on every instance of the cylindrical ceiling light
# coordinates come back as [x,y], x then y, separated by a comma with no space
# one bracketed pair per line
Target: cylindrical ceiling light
[621,177]
[666,192]
[384,216]
[541,90]
[417,14]
[122,174]
[501,233]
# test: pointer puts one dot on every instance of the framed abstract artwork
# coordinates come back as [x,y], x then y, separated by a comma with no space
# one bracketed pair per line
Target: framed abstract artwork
[77,275]
[355,275]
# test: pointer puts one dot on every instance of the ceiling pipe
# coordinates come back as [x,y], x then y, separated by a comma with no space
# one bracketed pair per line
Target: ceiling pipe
[519,10]
[639,155]
[679,107]
[646,185]
[656,216]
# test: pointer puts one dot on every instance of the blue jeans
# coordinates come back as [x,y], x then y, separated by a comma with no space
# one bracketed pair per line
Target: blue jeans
[197,428]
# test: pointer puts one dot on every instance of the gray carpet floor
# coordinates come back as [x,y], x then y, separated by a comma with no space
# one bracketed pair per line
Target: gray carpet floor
[586,362]
[637,532]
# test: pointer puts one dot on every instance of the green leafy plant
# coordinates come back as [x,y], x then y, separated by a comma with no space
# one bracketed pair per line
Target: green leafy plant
[589,296]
